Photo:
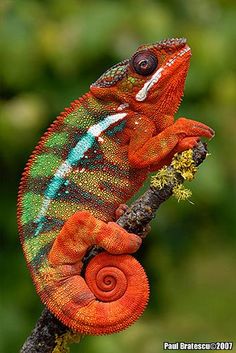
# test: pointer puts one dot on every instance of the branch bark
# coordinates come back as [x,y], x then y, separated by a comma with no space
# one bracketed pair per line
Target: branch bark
[136,220]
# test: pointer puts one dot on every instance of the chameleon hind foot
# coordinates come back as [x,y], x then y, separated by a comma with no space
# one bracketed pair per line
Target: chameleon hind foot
[83,230]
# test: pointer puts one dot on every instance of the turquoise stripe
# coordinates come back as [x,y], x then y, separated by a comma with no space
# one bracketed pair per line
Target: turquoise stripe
[54,186]
[74,156]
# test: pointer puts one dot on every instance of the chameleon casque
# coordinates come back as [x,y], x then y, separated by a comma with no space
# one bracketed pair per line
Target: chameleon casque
[92,159]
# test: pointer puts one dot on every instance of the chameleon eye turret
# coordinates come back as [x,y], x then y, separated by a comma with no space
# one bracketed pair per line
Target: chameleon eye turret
[144,63]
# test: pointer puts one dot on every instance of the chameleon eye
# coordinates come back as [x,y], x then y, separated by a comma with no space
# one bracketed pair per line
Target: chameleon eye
[144,63]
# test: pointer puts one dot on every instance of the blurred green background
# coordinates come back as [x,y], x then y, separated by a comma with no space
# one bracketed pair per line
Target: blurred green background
[50,53]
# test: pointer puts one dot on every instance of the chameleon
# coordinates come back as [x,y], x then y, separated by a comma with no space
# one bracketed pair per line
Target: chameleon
[92,159]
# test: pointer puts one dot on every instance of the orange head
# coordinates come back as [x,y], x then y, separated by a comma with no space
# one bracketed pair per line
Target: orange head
[151,82]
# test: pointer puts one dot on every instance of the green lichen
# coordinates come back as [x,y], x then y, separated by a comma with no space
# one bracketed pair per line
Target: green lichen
[163,177]
[181,193]
[63,341]
[184,164]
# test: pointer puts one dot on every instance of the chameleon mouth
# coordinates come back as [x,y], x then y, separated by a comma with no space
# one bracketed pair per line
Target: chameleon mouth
[143,92]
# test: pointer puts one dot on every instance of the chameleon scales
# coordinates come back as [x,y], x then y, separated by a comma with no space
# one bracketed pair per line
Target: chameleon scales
[91,160]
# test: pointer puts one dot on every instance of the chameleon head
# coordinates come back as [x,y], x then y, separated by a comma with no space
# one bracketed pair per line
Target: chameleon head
[151,81]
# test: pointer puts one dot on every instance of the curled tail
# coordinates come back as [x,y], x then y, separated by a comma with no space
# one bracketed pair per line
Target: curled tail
[115,290]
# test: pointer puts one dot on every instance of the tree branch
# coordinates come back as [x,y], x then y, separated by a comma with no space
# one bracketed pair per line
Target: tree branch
[136,220]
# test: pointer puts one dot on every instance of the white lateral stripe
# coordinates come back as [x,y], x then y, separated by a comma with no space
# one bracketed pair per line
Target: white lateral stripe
[97,129]
[142,94]
[64,168]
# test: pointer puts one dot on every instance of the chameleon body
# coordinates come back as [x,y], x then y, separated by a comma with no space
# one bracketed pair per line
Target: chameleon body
[92,159]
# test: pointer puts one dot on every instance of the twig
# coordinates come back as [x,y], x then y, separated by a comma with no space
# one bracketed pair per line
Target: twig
[135,220]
